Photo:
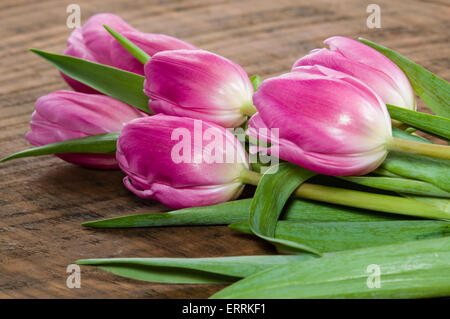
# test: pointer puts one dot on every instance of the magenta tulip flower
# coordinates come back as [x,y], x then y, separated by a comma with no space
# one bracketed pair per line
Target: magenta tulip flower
[92,42]
[361,61]
[180,161]
[328,121]
[65,115]
[198,84]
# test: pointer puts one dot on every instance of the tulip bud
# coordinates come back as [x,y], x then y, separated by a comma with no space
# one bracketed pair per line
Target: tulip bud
[92,42]
[366,64]
[172,160]
[65,115]
[198,84]
[328,121]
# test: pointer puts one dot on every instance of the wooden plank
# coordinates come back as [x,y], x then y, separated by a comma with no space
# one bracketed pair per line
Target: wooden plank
[44,200]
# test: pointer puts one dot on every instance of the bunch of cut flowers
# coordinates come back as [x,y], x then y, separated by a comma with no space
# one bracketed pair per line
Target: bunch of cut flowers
[335,147]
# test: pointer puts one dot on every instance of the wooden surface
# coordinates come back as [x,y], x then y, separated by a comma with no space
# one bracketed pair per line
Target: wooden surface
[44,200]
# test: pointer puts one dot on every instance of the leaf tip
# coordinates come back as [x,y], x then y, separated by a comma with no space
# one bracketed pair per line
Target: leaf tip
[36,51]
[91,224]
[108,28]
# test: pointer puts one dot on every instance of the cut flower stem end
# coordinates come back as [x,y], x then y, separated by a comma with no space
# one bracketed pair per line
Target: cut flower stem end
[431,150]
[358,199]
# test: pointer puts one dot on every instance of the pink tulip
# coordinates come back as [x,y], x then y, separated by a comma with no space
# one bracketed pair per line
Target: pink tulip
[94,43]
[366,64]
[65,115]
[198,84]
[171,159]
[328,121]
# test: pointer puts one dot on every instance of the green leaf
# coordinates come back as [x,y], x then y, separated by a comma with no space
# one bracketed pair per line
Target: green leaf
[191,270]
[431,170]
[337,236]
[220,214]
[400,185]
[256,81]
[237,211]
[265,209]
[436,125]
[137,52]
[384,172]
[407,270]
[410,136]
[102,143]
[119,84]
[433,90]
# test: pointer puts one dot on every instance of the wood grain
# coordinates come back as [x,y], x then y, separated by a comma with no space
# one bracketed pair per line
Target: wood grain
[44,200]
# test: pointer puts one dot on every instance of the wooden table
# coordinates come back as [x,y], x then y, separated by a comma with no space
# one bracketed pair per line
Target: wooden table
[44,200]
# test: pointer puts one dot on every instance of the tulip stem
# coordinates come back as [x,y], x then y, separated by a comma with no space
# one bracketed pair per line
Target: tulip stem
[250,177]
[248,109]
[358,199]
[136,51]
[431,150]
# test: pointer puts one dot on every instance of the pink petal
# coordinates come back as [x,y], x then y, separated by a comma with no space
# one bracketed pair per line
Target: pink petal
[379,81]
[357,51]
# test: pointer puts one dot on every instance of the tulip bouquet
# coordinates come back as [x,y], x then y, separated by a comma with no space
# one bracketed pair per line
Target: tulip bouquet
[342,178]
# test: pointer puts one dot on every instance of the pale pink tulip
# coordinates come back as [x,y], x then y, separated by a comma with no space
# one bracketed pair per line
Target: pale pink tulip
[94,43]
[170,159]
[65,115]
[366,64]
[198,84]
[328,121]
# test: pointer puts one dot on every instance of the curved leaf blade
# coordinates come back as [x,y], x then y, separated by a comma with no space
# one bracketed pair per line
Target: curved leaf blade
[436,125]
[191,270]
[432,170]
[237,211]
[338,236]
[432,89]
[100,144]
[408,270]
[265,209]
[122,85]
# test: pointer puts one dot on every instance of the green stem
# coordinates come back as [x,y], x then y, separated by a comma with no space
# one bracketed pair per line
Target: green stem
[136,51]
[407,146]
[250,177]
[358,199]
[248,109]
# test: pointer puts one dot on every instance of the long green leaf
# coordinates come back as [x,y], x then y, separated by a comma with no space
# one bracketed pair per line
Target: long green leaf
[400,185]
[102,143]
[237,211]
[436,125]
[337,236]
[407,270]
[265,209]
[396,132]
[191,270]
[431,170]
[433,90]
[119,84]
